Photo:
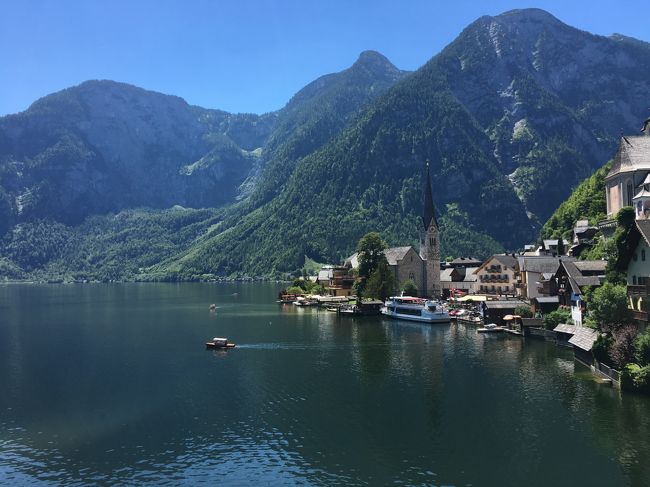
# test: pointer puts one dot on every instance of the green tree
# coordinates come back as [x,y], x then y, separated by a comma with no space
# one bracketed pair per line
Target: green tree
[371,249]
[524,311]
[554,318]
[642,345]
[381,283]
[608,307]
[409,288]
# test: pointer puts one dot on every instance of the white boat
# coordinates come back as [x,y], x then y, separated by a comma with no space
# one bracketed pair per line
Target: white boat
[415,309]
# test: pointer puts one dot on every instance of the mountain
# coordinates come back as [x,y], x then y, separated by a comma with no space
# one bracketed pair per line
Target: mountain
[108,147]
[512,115]
[104,146]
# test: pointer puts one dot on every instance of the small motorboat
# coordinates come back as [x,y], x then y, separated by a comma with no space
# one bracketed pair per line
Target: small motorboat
[218,342]
[491,328]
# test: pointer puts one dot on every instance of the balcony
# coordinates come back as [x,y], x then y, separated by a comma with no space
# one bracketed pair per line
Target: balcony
[638,296]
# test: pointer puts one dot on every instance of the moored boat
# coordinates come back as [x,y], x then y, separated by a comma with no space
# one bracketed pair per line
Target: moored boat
[218,342]
[491,328]
[415,309]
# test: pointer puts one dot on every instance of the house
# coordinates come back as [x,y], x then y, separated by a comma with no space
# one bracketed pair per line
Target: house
[534,274]
[638,271]
[554,247]
[497,275]
[629,173]
[336,280]
[459,279]
[571,280]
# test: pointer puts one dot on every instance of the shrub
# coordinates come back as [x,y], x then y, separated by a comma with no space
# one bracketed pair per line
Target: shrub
[636,378]
[554,318]
[524,311]
[409,288]
[642,345]
[601,349]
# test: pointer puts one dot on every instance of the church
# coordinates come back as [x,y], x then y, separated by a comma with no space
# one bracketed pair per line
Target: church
[421,267]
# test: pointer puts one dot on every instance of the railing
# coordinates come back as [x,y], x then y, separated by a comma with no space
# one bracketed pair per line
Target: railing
[639,315]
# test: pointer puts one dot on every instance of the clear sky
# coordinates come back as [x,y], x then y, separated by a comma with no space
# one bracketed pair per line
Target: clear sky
[243,55]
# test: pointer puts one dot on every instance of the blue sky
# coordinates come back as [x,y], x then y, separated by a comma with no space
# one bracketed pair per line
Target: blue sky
[242,55]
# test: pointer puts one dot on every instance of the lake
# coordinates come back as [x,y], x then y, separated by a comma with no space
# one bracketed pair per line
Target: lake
[111,384]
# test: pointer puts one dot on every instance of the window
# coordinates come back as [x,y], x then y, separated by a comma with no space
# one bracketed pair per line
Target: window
[643,254]
[634,280]
[642,281]
[432,241]
[629,193]
[634,257]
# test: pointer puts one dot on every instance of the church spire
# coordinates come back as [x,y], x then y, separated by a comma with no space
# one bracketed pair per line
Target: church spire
[429,211]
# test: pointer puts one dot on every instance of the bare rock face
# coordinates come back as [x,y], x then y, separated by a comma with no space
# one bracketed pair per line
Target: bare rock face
[104,146]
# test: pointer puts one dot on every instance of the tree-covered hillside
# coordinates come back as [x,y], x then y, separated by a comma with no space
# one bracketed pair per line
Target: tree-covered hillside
[512,116]
[587,202]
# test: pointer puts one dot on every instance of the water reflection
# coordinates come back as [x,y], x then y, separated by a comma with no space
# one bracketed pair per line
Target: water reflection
[112,384]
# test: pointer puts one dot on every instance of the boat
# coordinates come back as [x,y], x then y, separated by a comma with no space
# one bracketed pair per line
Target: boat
[218,342]
[302,301]
[491,328]
[415,309]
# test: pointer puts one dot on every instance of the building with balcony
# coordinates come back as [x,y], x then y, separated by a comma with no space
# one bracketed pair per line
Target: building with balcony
[534,274]
[458,279]
[336,280]
[497,275]
[638,271]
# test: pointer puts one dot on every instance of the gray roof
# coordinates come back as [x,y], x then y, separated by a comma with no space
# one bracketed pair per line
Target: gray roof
[632,155]
[547,299]
[540,264]
[591,265]
[576,279]
[470,275]
[565,328]
[504,304]
[445,275]
[395,254]
[504,259]
[467,261]
[584,338]
[553,242]
[644,228]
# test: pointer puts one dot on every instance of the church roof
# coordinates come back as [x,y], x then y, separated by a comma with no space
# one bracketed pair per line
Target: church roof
[633,155]
[429,210]
[393,256]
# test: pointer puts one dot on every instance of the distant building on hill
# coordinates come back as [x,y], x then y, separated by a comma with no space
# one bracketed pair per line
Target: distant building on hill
[628,176]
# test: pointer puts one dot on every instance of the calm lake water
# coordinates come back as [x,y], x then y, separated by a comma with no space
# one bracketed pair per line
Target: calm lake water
[111,384]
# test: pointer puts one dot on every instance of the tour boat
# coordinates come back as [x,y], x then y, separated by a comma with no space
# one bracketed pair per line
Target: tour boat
[219,343]
[415,309]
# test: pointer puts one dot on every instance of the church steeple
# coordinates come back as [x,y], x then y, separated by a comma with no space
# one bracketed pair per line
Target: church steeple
[429,210]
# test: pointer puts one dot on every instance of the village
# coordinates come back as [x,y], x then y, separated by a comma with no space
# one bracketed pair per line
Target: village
[548,289]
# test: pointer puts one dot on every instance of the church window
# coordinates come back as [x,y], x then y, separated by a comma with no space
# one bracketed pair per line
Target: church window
[432,241]
[629,193]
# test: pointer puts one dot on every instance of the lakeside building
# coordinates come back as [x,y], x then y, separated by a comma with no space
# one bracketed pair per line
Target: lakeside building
[571,281]
[336,280]
[497,275]
[637,265]
[404,262]
[534,274]
[458,279]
